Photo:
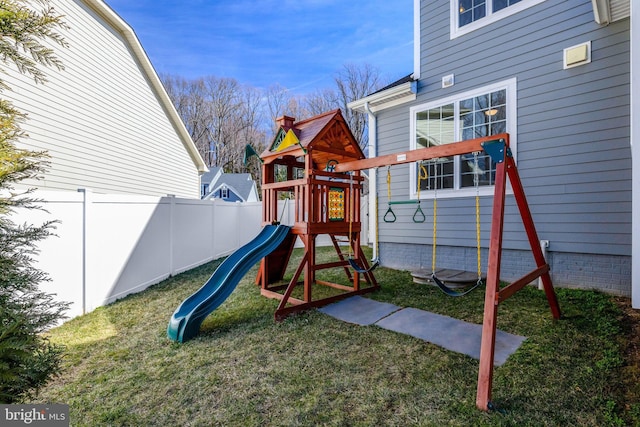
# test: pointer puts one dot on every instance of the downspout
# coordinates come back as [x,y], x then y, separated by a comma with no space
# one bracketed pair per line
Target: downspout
[544,245]
[373,179]
[635,154]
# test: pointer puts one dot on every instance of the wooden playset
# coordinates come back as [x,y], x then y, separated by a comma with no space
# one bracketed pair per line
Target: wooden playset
[318,162]
[300,163]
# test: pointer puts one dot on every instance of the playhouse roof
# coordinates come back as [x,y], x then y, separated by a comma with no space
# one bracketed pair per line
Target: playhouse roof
[324,137]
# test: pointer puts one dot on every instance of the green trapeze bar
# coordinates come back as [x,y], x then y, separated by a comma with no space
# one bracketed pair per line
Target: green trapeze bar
[405,202]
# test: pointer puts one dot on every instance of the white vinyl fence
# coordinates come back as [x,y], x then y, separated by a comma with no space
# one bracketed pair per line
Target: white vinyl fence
[108,246]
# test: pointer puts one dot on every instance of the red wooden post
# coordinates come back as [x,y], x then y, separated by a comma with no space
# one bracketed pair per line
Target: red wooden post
[487,346]
[530,228]
[310,271]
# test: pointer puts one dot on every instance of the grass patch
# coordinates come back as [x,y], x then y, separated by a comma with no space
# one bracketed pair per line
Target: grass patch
[246,369]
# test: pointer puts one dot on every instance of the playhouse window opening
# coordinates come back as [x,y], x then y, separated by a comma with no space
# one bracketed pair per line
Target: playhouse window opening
[280,173]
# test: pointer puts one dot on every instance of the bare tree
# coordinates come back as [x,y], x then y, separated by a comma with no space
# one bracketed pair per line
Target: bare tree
[223,116]
[221,94]
[278,99]
[352,82]
[188,97]
[355,82]
[250,129]
[321,101]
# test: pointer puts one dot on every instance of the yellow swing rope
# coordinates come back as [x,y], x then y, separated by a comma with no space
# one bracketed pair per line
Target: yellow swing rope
[418,215]
[389,216]
[351,201]
[435,219]
[476,183]
[422,175]
[389,183]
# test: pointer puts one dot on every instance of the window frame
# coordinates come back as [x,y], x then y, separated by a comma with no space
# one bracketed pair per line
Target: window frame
[510,86]
[489,18]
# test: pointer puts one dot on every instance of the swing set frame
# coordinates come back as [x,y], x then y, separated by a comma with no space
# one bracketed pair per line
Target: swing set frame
[497,147]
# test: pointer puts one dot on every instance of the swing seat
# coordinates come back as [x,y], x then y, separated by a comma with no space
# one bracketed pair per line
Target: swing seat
[452,292]
[456,279]
[358,268]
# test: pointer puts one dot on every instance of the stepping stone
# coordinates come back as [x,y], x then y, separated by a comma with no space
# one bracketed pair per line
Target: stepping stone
[447,332]
[359,310]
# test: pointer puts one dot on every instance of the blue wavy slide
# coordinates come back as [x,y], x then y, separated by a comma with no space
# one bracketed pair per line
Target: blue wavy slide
[186,320]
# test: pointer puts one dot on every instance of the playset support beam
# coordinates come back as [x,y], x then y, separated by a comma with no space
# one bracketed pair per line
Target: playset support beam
[446,150]
[506,169]
[497,147]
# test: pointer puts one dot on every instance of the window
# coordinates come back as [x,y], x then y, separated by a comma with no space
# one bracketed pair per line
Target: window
[224,193]
[501,4]
[469,15]
[471,10]
[474,114]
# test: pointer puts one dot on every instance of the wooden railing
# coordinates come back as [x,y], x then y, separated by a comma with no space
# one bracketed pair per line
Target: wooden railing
[311,196]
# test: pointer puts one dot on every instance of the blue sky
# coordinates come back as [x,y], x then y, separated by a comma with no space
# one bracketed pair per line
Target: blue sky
[297,44]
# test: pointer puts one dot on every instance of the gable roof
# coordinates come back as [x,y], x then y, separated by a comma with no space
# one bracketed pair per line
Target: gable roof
[325,136]
[209,177]
[401,91]
[239,183]
[242,184]
[406,79]
[120,25]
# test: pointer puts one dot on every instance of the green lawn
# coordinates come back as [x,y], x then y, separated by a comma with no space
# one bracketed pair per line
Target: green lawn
[247,370]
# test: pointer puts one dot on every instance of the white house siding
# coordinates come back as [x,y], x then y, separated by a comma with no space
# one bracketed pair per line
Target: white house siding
[572,144]
[100,119]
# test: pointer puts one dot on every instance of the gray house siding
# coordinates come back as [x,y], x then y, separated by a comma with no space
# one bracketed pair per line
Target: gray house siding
[573,145]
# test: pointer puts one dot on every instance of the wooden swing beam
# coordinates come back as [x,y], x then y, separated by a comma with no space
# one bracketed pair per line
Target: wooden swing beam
[446,150]
[497,146]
